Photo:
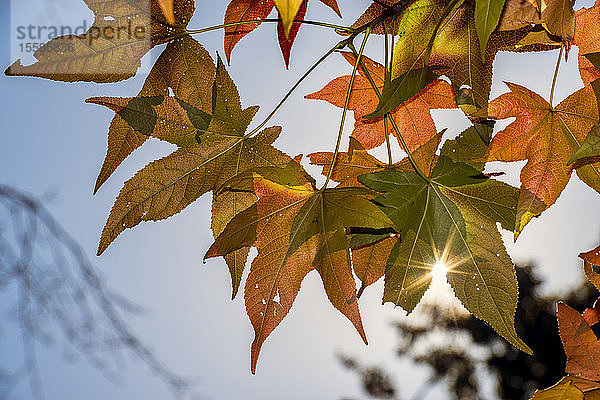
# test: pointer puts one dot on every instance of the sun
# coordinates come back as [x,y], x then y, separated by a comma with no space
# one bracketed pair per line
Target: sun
[439,272]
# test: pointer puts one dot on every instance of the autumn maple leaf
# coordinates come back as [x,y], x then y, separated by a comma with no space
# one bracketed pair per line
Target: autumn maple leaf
[581,344]
[370,252]
[413,117]
[591,266]
[187,69]
[297,229]
[587,39]
[93,57]
[456,46]
[212,150]
[167,8]
[250,10]
[547,137]
[451,216]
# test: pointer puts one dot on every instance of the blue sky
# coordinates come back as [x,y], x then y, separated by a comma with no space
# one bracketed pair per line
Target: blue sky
[53,142]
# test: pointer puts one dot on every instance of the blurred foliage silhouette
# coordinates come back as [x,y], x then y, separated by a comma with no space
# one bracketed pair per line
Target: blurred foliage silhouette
[469,349]
[55,296]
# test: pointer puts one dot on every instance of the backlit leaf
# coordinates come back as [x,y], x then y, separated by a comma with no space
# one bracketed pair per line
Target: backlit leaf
[186,68]
[402,88]
[587,39]
[451,218]
[167,8]
[580,343]
[286,41]
[456,45]
[243,10]
[564,390]
[413,117]
[111,50]
[204,162]
[297,229]
[251,10]
[546,137]
[487,16]
[288,9]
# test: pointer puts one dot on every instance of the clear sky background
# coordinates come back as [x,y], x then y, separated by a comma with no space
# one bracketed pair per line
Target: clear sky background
[52,142]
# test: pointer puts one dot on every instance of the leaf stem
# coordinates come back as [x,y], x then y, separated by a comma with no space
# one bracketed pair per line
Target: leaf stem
[555,76]
[289,93]
[346,104]
[388,74]
[258,21]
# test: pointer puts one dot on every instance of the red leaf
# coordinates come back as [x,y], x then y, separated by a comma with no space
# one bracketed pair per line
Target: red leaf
[243,10]
[287,43]
[581,345]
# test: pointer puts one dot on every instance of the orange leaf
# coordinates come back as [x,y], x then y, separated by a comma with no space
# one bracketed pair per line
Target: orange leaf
[592,256]
[581,345]
[348,166]
[587,38]
[592,315]
[243,10]
[250,10]
[413,117]
[370,261]
[167,8]
[546,137]
[590,266]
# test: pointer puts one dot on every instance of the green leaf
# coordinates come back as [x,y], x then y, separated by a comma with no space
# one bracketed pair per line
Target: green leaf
[451,218]
[402,88]
[487,16]
[471,145]
[332,210]
[140,114]
[589,152]
[198,118]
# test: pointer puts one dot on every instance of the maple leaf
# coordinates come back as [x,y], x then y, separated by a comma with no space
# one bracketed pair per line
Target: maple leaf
[184,67]
[589,151]
[518,14]
[592,256]
[413,117]
[369,251]
[286,39]
[587,39]
[297,229]
[556,17]
[591,267]
[250,10]
[581,345]
[370,261]
[563,390]
[288,9]
[213,149]
[546,137]
[487,17]
[349,165]
[167,8]
[243,10]
[389,11]
[451,216]
[456,45]
[112,48]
